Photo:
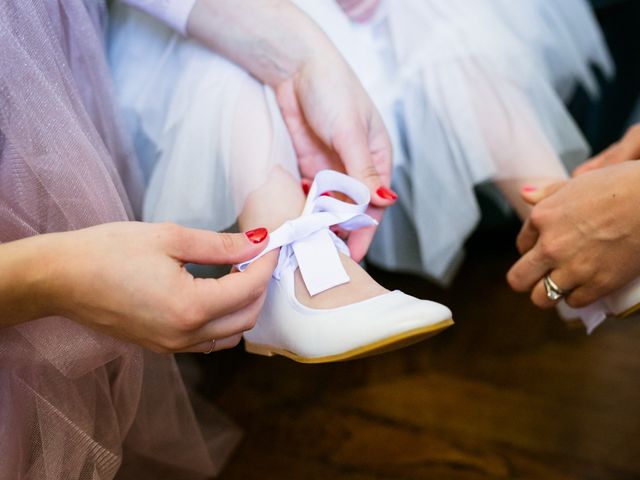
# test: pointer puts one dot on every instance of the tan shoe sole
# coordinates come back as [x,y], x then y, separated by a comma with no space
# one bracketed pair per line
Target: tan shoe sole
[381,346]
[629,311]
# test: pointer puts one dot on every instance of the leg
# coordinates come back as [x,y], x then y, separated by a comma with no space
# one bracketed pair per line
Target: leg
[280,196]
[518,146]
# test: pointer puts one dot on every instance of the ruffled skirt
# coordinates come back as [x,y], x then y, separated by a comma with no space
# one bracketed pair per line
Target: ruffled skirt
[467,98]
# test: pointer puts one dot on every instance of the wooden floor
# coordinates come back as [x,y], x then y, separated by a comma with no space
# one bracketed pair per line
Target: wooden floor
[508,392]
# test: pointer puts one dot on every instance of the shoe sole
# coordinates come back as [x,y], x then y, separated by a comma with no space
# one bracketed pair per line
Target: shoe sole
[629,311]
[381,346]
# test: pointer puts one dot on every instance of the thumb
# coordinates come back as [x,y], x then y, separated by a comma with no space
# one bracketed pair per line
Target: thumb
[352,146]
[533,195]
[212,248]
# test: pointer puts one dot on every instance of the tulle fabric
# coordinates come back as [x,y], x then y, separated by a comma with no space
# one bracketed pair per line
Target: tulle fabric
[75,403]
[565,39]
[465,100]
[209,134]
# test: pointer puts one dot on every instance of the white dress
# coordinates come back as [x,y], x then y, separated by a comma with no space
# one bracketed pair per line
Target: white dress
[468,95]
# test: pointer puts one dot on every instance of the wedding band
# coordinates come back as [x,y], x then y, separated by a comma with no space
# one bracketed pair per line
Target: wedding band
[213,344]
[554,292]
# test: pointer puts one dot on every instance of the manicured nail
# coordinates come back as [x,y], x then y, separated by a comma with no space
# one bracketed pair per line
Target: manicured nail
[306,187]
[257,235]
[386,193]
[529,189]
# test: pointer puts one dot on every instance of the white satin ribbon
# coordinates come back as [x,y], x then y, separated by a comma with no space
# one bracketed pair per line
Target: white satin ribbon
[306,242]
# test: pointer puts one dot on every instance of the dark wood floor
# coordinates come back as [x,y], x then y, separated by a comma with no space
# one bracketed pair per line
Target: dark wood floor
[508,392]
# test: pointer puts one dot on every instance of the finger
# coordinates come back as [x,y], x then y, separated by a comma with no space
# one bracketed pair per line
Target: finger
[340,232]
[630,145]
[587,166]
[527,237]
[220,344]
[528,270]
[306,186]
[584,295]
[359,242]
[539,293]
[205,247]
[352,146]
[234,291]
[533,195]
[229,325]
[596,161]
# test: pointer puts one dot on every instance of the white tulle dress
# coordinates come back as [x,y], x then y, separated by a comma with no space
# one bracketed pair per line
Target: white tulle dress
[470,90]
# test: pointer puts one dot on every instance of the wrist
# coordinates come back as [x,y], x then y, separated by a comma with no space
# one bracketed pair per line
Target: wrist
[50,269]
[26,272]
[272,40]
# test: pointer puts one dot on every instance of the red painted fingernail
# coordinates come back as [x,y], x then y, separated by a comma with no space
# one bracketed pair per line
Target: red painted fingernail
[325,194]
[529,189]
[386,193]
[257,235]
[306,186]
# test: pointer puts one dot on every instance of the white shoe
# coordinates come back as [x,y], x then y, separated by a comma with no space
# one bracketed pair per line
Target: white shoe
[625,301]
[286,327]
[308,335]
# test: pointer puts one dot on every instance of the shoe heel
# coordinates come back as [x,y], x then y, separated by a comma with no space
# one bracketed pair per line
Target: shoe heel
[258,349]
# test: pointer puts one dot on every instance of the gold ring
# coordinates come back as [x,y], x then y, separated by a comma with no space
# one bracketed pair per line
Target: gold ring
[213,344]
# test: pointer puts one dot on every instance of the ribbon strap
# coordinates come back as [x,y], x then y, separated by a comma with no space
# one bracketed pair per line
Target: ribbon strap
[306,242]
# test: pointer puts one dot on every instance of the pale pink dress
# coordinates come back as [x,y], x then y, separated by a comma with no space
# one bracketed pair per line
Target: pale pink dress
[76,404]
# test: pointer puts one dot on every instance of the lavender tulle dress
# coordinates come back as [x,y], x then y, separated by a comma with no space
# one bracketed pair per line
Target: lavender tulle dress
[75,404]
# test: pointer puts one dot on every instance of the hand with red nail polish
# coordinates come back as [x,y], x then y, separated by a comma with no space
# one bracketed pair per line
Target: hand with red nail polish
[128,280]
[332,121]
[334,125]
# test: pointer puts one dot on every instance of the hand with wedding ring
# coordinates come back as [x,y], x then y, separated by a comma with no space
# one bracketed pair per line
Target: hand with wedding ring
[128,280]
[582,240]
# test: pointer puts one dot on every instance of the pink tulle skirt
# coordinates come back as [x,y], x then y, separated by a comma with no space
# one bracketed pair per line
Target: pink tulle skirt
[75,404]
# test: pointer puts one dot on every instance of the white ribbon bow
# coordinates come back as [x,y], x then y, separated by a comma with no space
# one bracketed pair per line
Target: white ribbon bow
[306,242]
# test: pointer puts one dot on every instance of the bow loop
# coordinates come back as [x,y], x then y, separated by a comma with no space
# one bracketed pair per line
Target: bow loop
[306,242]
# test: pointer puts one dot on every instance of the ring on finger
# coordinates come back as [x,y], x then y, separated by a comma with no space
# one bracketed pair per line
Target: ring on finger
[213,344]
[554,292]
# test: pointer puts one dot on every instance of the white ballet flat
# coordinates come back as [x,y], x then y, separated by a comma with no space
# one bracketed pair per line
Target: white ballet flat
[625,301]
[309,335]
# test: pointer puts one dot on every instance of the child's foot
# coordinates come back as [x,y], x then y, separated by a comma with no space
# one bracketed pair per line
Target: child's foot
[344,320]
[361,287]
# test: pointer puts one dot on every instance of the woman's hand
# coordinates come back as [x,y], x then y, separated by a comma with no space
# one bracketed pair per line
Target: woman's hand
[585,233]
[332,121]
[333,124]
[628,148]
[128,280]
